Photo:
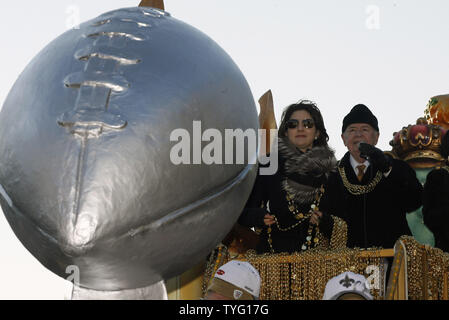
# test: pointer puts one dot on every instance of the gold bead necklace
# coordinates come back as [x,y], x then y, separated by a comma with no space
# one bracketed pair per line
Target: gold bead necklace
[301,217]
[357,189]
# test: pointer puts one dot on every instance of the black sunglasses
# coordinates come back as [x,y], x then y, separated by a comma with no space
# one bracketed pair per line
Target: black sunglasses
[307,123]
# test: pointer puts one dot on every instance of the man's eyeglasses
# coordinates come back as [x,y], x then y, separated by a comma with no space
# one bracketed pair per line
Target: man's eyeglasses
[307,123]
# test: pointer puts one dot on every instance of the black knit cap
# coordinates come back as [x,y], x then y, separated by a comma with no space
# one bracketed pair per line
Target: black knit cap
[360,114]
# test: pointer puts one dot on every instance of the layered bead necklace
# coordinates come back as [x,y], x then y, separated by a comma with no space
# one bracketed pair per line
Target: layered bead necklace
[312,231]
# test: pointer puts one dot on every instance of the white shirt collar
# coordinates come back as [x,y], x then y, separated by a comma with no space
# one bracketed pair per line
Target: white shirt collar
[354,164]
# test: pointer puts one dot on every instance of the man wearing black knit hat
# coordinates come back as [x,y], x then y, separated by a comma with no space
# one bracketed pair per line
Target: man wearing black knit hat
[370,190]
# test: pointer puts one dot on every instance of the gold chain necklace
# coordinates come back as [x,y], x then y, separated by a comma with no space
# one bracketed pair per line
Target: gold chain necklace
[301,217]
[356,189]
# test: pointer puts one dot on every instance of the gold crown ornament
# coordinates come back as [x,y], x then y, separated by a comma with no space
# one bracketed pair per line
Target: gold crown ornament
[419,144]
[437,111]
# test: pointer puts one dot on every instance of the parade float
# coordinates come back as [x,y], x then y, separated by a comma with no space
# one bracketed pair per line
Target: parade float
[417,271]
[92,110]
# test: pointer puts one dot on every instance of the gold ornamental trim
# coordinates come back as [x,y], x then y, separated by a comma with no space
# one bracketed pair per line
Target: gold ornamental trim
[419,154]
[304,275]
[426,271]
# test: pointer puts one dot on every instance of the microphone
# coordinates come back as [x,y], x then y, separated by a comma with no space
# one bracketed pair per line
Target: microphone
[364,149]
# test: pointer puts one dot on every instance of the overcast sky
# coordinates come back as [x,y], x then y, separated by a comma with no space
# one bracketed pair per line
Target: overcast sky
[390,55]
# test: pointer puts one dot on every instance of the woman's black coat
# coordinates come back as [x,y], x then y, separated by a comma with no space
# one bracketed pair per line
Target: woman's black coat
[301,174]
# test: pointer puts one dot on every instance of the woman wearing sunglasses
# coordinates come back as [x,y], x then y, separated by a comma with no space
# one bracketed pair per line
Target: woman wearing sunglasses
[286,205]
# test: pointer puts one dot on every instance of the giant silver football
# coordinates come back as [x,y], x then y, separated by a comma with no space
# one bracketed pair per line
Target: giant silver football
[85,169]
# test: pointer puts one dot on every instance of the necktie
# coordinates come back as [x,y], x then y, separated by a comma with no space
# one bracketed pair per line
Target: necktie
[361,169]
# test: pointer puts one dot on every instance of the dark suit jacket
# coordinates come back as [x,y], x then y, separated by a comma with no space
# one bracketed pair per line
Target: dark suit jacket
[377,218]
[436,206]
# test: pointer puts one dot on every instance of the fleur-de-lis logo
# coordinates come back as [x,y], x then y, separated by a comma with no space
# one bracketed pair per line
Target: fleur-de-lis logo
[237,294]
[347,282]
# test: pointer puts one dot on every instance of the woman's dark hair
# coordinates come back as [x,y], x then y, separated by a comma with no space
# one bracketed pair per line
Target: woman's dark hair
[444,148]
[311,108]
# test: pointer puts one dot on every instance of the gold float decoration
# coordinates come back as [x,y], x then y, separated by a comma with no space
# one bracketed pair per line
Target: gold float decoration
[303,276]
[427,271]
[419,272]
[437,111]
[418,144]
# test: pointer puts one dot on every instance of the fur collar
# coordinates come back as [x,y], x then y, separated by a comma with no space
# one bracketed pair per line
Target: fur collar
[305,172]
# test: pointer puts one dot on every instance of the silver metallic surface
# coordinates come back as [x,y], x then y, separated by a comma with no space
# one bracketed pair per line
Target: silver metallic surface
[85,171]
[156,291]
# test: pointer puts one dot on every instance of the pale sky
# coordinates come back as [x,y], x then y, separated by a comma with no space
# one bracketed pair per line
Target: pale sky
[391,55]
